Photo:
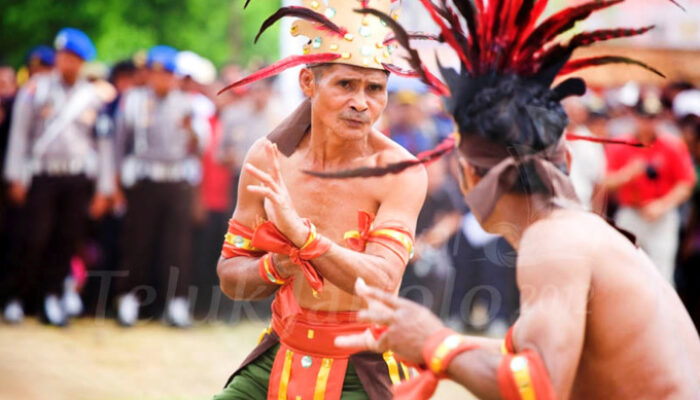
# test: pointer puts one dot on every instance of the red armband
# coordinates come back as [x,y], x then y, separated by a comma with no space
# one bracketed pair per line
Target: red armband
[393,237]
[523,376]
[267,270]
[268,238]
[238,243]
[438,351]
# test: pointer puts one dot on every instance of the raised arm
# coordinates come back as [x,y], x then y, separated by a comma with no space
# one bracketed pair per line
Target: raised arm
[382,263]
[554,288]
[238,276]
[544,348]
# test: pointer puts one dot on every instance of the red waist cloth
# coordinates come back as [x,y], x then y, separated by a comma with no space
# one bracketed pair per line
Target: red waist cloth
[308,365]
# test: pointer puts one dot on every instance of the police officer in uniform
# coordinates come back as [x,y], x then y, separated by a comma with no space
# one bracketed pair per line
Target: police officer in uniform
[55,163]
[157,148]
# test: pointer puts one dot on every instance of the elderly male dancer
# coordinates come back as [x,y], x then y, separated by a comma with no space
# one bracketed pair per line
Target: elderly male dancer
[298,237]
[597,320]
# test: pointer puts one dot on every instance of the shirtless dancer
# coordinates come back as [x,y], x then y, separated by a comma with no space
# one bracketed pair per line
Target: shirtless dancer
[597,320]
[311,250]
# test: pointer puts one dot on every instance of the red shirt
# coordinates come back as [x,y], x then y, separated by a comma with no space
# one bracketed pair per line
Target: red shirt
[668,156]
[217,179]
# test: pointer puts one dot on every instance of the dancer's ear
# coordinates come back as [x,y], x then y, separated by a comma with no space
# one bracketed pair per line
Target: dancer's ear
[468,176]
[307,82]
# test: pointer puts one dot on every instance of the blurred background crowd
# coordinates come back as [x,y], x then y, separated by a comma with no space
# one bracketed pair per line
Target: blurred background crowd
[119,179]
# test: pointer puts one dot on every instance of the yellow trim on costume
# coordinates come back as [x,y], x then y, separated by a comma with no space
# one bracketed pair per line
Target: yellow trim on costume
[312,236]
[406,372]
[404,239]
[265,332]
[240,242]
[322,378]
[268,272]
[393,367]
[286,372]
[448,344]
[504,348]
[351,235]
[521,375]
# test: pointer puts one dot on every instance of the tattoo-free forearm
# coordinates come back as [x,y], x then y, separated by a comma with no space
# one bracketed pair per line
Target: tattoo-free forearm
[342,267]
[477,370]
[239,279]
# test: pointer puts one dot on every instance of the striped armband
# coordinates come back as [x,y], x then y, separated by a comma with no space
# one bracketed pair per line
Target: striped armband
[523,376]
[398,240]
[267,270]
[238,243]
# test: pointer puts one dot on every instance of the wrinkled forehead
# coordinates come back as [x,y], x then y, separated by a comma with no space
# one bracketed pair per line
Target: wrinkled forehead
[354,72]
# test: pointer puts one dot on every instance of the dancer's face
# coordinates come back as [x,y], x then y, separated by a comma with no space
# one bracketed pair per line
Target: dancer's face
[346,100]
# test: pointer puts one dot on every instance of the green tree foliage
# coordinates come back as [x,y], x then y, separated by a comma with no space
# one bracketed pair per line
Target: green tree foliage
[216,29]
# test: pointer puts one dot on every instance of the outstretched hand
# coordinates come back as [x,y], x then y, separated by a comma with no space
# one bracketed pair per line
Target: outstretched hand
[278,204]
[408,325]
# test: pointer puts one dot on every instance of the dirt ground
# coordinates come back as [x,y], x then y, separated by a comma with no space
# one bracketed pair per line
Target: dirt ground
[93,360]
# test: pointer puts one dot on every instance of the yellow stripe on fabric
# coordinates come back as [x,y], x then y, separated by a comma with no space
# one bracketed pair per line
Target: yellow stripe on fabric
[265,331]
[270,276]
[504,349]
[400,237]
[351,235]
[322,378]
[523,380]
[393,367]
[311,238]
[240,242]
[406,373]
[286,372]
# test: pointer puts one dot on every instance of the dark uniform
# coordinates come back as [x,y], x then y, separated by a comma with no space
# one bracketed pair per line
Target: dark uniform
[54,152]
[157,152]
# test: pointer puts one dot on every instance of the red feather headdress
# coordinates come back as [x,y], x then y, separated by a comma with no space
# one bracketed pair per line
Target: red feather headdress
[501,41]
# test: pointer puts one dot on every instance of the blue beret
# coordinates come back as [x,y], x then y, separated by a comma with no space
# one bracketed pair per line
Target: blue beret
[77,42]
[163,57]
[43,54]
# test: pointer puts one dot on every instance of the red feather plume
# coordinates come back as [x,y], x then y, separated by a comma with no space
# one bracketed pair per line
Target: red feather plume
[276,68]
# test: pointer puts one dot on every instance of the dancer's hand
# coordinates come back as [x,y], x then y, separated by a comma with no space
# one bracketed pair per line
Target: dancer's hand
[408,325]
[278,204]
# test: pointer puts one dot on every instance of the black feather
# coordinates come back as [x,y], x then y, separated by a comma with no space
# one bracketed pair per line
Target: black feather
[303,13]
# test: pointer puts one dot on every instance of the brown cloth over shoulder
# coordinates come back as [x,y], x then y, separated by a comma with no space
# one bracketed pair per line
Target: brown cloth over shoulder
[292,130]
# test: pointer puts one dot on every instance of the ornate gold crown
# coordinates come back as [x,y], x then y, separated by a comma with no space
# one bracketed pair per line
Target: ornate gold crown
[337,34]
[364,42]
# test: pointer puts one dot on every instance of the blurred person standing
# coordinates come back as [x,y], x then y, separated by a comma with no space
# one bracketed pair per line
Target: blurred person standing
[588,163]
[407,124]
[428,277]
[687,109]
[213,203]
[156,141]
[244,122]
[650,183]
[8,89]
[40,59]
[53,162]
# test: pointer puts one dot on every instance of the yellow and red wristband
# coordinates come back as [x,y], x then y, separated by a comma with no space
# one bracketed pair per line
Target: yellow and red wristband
[267,270]
[238,242]
[442,347]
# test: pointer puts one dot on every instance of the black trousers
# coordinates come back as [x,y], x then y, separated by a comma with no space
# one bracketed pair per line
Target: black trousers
[156,239]
[55,216]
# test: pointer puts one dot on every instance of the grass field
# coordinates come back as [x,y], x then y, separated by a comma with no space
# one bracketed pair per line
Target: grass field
[97,360]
